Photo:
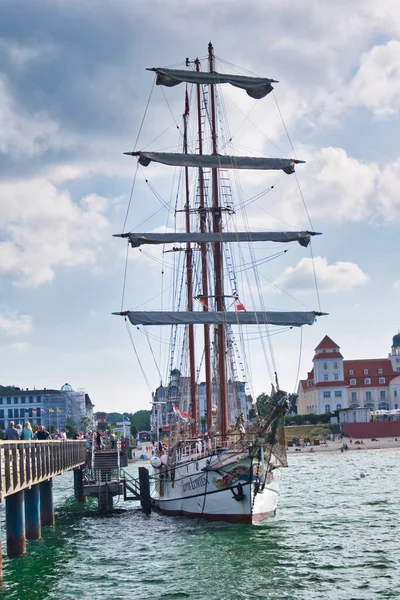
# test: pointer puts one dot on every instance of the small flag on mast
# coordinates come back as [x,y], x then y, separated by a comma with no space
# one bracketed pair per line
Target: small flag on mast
[187,108]
[239,305]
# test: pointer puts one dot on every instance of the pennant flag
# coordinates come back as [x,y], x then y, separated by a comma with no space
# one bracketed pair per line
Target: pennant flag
[187,108]
[34,410]
[51,409]
[42,410]
[184,417]
[202,300]
[239,305]
[59,410]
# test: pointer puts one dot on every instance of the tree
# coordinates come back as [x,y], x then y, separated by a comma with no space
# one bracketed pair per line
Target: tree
[86,423]
[134,430]
[71,427]
[141,420]
[262,404]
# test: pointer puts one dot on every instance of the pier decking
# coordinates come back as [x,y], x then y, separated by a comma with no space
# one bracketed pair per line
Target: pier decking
[23,464]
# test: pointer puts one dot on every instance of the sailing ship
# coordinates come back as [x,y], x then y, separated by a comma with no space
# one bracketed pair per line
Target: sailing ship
[221,466]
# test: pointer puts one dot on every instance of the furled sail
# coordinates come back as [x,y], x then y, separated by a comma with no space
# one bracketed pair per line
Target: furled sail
[284,319]
[218,161]
[256,87]
[138,239]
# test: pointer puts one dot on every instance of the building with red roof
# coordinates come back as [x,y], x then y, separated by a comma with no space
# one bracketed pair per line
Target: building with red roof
[335,383]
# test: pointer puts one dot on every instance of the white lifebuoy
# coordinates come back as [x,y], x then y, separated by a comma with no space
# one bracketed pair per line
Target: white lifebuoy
[155,462]
[164,459]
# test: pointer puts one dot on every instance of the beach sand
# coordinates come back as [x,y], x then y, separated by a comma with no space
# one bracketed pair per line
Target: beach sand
[367,444]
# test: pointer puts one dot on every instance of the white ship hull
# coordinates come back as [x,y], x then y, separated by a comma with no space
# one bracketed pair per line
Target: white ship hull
[233,490]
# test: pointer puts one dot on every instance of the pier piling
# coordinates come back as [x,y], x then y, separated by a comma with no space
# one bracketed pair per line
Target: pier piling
[105,499]
[78,485]
[15,524]
[32,513]
[144,483]
[46,503]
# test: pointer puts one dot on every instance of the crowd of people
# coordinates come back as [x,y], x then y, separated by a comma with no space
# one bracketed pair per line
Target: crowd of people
[100,440]
[37,432]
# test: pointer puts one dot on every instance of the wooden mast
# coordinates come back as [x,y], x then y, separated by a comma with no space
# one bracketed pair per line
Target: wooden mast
[204,264]
[218,267]
[189,277]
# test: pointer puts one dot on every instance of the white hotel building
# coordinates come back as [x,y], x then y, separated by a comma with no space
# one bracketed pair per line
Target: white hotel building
[335,383]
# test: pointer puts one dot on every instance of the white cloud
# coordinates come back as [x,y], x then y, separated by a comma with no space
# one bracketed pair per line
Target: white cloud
[337,277]
[22,134]
[376,84]
[21,346]
[14,324]
[23,55]
[43,228]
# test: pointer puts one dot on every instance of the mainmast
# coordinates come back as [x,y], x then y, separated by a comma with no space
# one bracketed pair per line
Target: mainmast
[204,264]
[218,267]
[189,277]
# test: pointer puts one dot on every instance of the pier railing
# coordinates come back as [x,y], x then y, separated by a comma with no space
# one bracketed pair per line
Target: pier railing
[23,464]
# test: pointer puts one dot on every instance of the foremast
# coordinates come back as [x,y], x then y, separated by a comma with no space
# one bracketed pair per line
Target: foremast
[204,263]
[189,277]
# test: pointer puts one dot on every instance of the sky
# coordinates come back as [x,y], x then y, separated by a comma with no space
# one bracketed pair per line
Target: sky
[73,91]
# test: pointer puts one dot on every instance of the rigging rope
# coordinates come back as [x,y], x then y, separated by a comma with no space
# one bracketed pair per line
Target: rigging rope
[137,356]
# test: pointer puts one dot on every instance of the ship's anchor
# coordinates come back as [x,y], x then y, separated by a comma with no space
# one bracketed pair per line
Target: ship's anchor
[239,495]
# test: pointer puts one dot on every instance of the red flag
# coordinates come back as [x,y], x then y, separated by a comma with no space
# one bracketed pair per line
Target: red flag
[186,103]
[239,305]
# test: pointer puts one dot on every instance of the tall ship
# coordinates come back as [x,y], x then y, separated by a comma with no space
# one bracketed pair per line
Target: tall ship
[215,458]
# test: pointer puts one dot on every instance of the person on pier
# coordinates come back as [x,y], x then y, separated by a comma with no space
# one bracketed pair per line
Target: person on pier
[27,433]
[11,433]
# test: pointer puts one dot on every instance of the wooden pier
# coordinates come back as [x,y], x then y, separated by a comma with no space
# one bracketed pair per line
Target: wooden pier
[26,485]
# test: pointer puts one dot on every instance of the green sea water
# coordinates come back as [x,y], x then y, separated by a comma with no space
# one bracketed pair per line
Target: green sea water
[336,536]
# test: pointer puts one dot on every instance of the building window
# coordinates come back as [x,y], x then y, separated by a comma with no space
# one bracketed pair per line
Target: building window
[327,408]
[338,406]
[325,366]
[23,399]
[355,405]
[10,413]
[2,413]
[395,393]
[323,351]
[38,399]
[398,360]
[383,406]
[383,395]
[336,376]
[369,405]
[365,371]
[16,413]
[380,371]
[8,400]
[353,381]
[1,400]
[327,394]
[338,393]
[335,365]
[367,381]
[368,396]
[30,399]
[325,376]
[381,380]
[351,372]
[354,396]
